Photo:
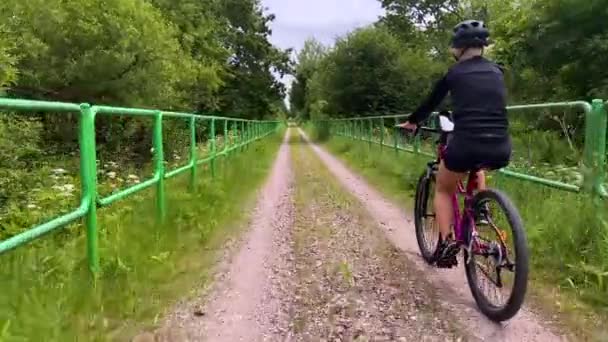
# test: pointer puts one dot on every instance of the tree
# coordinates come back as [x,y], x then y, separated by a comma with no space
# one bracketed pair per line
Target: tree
[308,62]
[370,72]
[200,31]
[251,88]
[8,72]
[117,52]
[424,24]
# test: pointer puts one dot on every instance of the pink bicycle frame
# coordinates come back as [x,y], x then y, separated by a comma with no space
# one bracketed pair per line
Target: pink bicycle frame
[466,217]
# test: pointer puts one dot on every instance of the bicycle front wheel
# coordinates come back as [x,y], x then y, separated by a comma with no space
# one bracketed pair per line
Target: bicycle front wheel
[427,233]
[492,263]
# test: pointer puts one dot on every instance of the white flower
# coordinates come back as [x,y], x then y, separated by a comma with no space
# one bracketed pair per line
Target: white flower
[66,189]
[132,177]
[59,171]
[111,174]
[32,206]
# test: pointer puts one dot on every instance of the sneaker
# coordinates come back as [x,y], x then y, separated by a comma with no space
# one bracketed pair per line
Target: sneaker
[482,215]
[445,254]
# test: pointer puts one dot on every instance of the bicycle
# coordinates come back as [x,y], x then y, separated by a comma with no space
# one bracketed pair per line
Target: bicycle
[467,235]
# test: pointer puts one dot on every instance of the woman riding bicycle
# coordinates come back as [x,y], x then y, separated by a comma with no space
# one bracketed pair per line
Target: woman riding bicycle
[480,139]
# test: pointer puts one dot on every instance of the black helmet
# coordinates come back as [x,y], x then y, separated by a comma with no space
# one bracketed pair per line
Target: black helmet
[470,33]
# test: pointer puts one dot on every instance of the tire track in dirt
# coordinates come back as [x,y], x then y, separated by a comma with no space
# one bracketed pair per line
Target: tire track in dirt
[449,284]
[245,303]
[351,283]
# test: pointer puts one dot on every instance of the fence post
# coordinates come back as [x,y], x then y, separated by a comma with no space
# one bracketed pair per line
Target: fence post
[234,135]
[370,133]
[212,142]
[88,176]
[225,149]
[246,135]
[360,129]
[396,136]
[601,144]
[242,136]
[595,147]
[381,134]
[192,152]
[159,161]
[417,144]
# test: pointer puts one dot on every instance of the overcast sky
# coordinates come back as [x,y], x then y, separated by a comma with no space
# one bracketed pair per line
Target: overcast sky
[296,20]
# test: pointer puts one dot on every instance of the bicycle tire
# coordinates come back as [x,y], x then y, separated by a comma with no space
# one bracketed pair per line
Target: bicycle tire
[422,196]
[518,292]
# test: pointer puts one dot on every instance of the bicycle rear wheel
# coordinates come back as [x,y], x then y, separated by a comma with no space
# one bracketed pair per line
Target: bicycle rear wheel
[427,233]
[499,259]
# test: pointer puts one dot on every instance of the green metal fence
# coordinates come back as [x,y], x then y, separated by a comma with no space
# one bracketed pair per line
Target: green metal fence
[373,129]
[246,132]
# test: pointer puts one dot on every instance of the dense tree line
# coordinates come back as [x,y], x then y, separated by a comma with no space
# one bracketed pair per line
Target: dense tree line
[205,55]
[187,55]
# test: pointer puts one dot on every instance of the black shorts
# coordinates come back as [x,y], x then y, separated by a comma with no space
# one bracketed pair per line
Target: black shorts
[465,154]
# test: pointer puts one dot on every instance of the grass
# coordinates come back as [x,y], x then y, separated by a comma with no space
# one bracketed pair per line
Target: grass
[568,244]
[47,293]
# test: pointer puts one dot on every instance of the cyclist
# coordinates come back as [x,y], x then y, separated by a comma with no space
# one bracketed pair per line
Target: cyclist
[480,137]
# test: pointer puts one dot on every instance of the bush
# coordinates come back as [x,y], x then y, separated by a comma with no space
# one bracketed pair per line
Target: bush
[19,150]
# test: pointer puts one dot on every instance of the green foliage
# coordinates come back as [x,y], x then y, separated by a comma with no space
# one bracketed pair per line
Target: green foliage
[8,72]
[251,89]
[119,52]
[19,151]
[308,63]
[564,42]
[189,55]
[368,72]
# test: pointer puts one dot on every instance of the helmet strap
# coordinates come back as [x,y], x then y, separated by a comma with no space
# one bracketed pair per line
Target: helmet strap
[461,54]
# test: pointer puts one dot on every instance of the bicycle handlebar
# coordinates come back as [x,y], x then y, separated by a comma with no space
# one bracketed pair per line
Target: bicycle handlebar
[420,128]
[428,129]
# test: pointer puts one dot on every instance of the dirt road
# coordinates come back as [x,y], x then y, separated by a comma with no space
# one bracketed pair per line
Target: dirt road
[327,258]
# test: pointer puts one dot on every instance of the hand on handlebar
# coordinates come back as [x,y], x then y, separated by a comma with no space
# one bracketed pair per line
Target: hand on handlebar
[408,126]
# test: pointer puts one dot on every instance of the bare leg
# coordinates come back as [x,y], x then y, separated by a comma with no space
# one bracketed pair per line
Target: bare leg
[484,211]
[447,184]
[481,180]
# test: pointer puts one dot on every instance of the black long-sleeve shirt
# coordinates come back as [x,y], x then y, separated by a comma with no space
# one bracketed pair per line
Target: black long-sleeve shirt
[478,94]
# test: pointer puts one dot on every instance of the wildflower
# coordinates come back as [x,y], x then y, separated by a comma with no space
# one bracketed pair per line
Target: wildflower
[59,171]
[111,174]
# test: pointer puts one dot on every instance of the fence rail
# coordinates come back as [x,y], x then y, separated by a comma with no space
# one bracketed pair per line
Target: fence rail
[593,166]
[247,132]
